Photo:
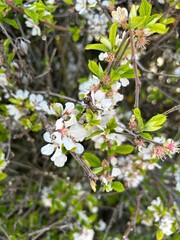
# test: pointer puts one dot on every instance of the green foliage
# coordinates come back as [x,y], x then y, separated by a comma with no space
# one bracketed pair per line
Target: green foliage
[118,187]
[95,68]
[93,160]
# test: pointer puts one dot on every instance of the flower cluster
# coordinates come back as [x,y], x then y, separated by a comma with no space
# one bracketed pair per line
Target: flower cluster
[66,137]
[163,217]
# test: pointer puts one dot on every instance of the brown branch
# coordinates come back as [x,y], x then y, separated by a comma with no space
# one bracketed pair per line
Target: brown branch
[158,74]
[133,220]
[109,67]
[175,108]
[88,171]
[133,60]
[54,26]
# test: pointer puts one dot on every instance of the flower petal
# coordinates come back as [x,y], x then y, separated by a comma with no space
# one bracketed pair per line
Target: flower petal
[79,148]
[68,143]
[47,137]
[48,149]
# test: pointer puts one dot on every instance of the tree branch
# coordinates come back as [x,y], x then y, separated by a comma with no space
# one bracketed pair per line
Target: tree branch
[133,60]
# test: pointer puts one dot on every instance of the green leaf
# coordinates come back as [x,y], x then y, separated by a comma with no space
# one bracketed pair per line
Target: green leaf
[167,20]
[118,186]
[2,6]
[112,34]
[137,114]
[157,28]
[93,160]
[17,2]
[2,176]
[98,170]
[111,125]
[106,42]
[97,46]
[155,123]
[145,8]
[11,22]
[93,66]
[3,133]
[69,2]
[133,11]
[124,149]
[159,234]
[26,122]
[152,19]
[145,135]
[158,119]
[94,134]
[137,22]
[33,15]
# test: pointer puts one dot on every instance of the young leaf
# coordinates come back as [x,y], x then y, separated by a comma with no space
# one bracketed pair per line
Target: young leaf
[124,149]
[145,8]
[11,22]
[146,135]
[94,134]
[93,66]
[2,176]
[112,33]
[106,42]
[133,12]
[137,21]
[111,125]
[93,160]
[137,114]
[98,170]
[159,234]
[158,119]
[118,186]
[158,28]
[97,46]
[33,15]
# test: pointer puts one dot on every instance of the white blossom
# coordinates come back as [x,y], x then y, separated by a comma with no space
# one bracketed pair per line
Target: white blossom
[102,56]
[36,31]
[166,224]
[120,14]
[3,80]
[14,111]
[85,234]
[37,101]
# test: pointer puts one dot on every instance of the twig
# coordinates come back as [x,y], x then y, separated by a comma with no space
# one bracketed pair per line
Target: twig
[158,74]
[58,95]
[113,218]
[137,80]
[117,52]
[105,11]
[175,108]
[133,220]
[17,9]
[88,171]
[5,233]
[120,57]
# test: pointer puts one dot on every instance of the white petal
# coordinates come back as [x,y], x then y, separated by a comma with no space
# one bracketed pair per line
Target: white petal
[116,172]
[71,121]
[79,149]
[47,149]
[78,132]
[58,158]
[68,143]
[47,137]
[69,107]
[59,124]
[60,161]
[57,153]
